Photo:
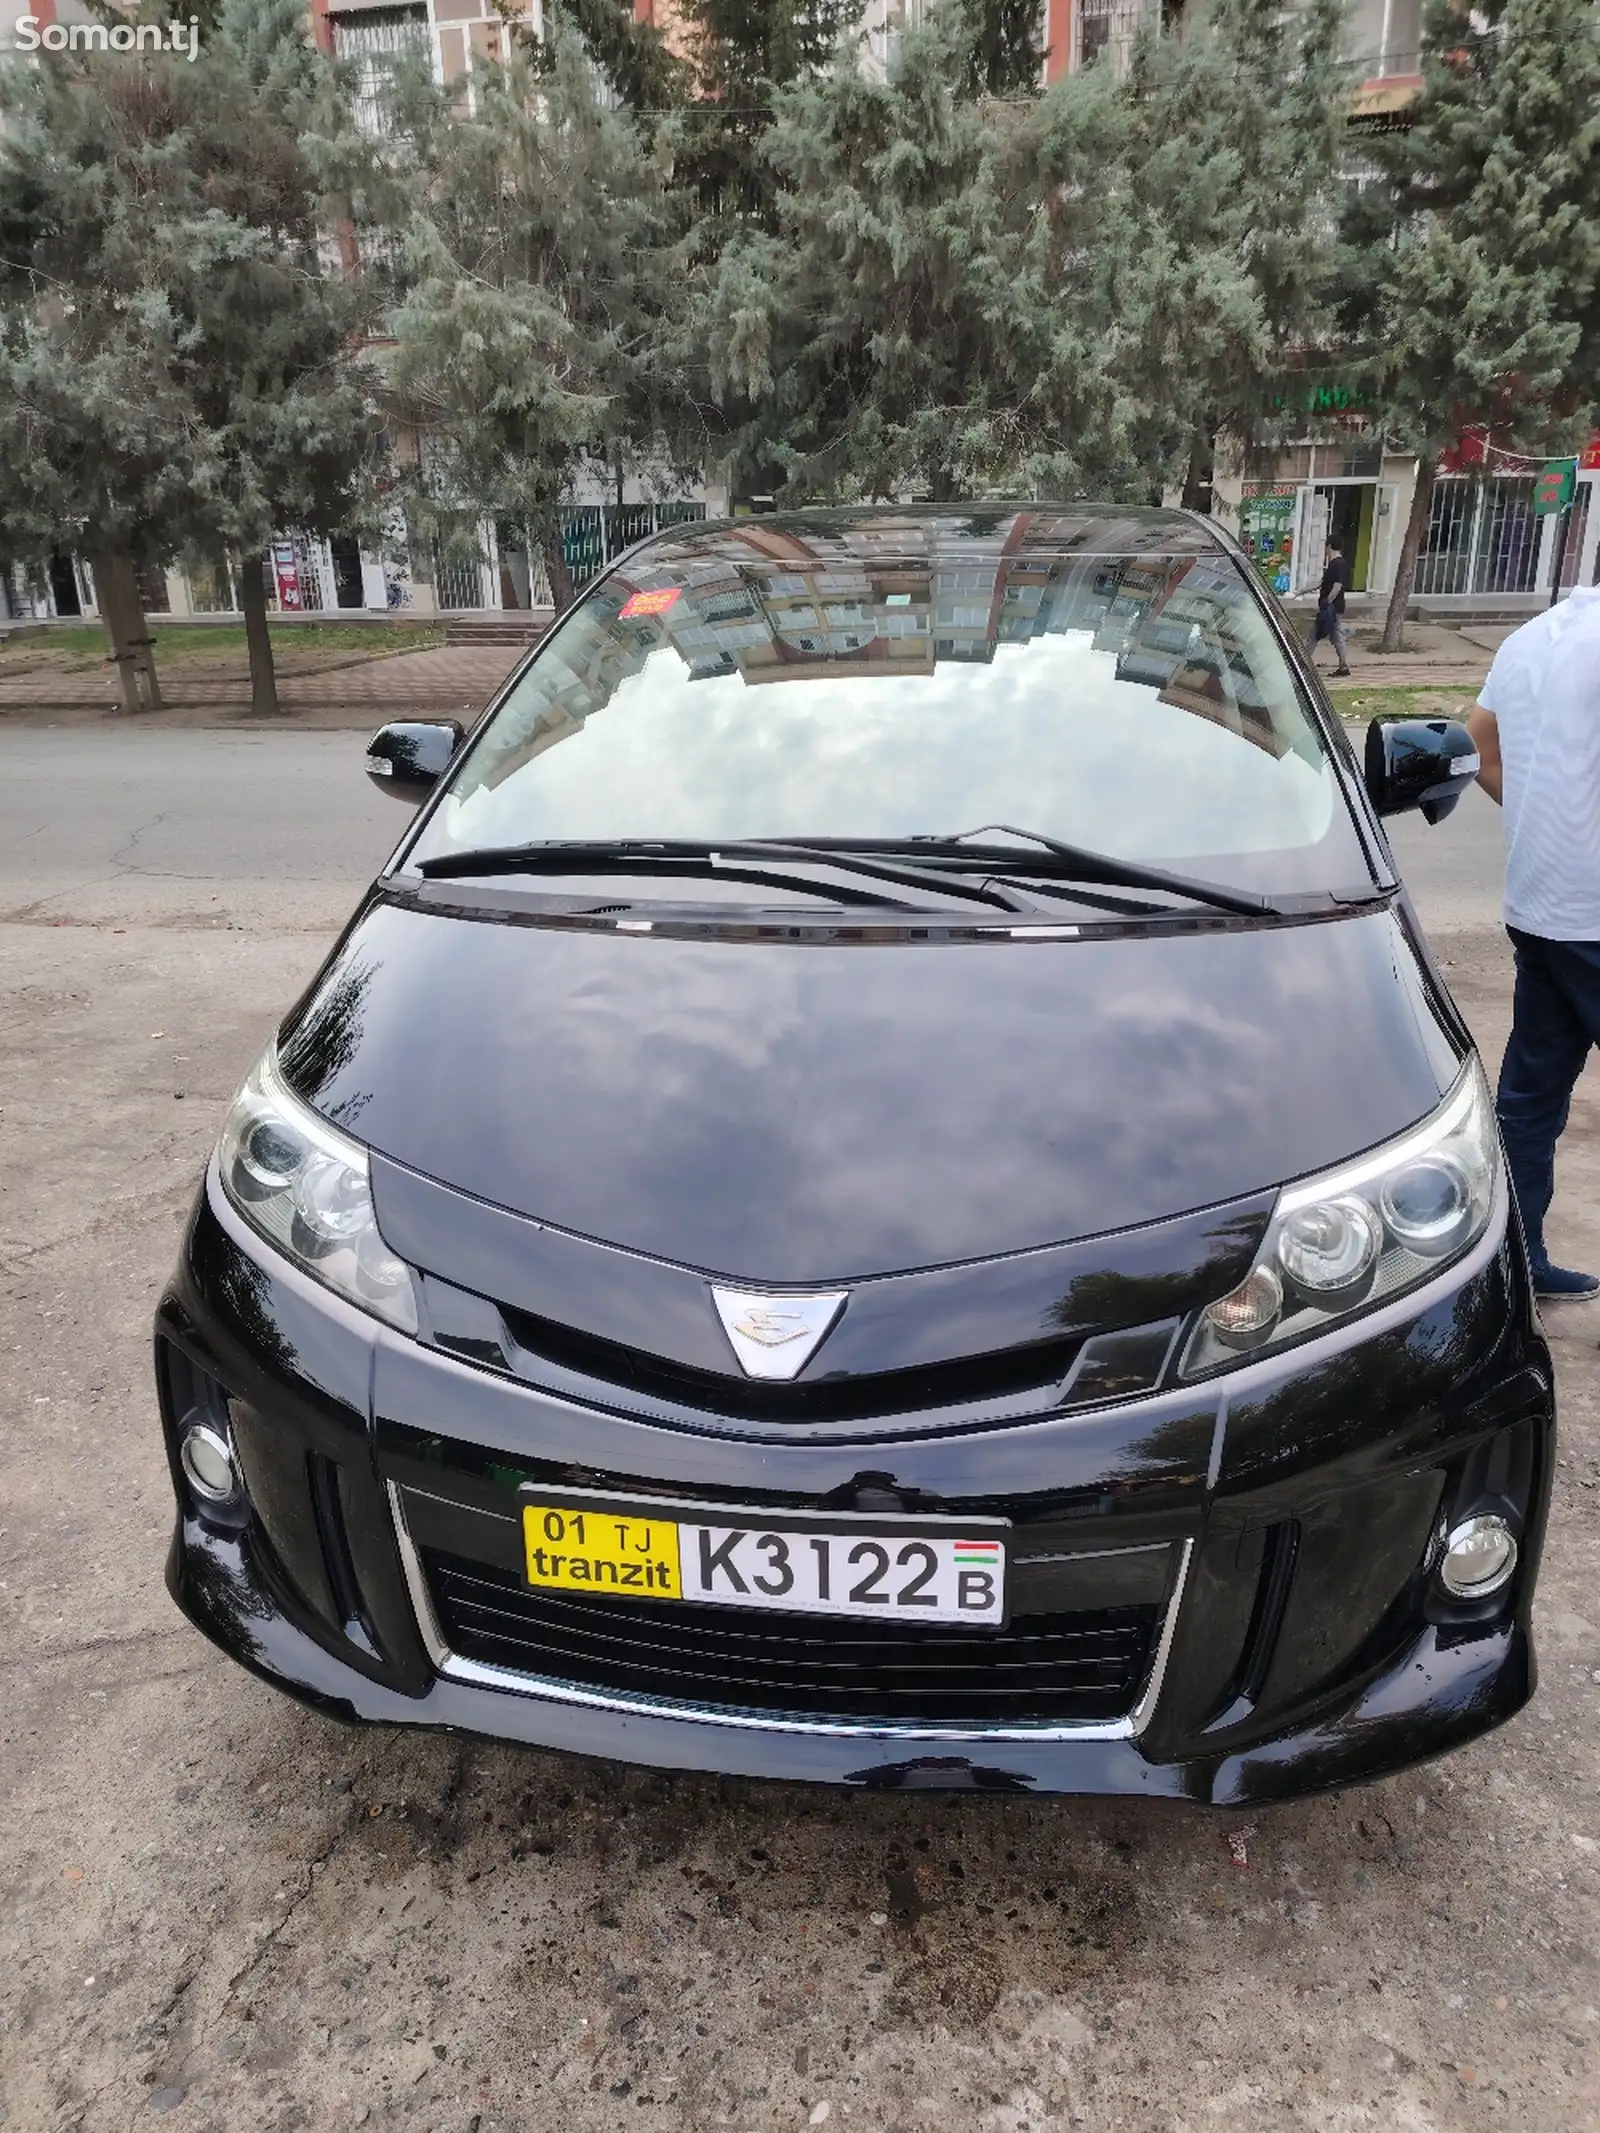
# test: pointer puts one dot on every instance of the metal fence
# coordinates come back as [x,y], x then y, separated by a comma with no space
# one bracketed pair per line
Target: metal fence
[1577,532]
[1482,537]
[457,585]
[592,535]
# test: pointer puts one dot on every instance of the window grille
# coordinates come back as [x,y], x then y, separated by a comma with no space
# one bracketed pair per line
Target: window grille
[456,584]
[1445,562]
[1482,537]
[372,41]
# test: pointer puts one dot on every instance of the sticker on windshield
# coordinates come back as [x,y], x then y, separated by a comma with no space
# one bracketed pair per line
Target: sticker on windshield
[653,603]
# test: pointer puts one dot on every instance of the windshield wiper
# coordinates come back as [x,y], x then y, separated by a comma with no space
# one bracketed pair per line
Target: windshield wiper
[1078,862]
[669,856]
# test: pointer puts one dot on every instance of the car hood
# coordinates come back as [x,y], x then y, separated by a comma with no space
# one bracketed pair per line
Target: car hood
[797,1112]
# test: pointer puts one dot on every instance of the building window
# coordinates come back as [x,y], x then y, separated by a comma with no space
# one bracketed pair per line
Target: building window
[372,41]
[1094,28]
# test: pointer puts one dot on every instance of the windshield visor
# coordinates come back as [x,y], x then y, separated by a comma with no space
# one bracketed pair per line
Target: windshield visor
[1139,705]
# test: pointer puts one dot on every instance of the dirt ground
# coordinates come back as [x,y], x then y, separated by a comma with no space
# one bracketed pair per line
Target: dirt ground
[222,1912]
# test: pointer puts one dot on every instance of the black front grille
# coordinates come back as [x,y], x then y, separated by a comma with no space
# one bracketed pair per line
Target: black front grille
[1057,1669]
[1035,1369]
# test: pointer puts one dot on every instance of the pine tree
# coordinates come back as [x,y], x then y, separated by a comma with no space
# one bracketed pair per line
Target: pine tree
[1006,51]
[922,316]
[633,56]
[95,438]
[1214,224]
[1473,260]
[744,53]
[274,323]
[176,359]
[534,333]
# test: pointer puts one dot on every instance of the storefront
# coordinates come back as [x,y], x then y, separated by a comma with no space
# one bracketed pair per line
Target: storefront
[1289,525]
[1356,514]
[1484,539]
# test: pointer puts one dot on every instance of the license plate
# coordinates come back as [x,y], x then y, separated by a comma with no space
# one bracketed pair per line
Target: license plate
[882,1569]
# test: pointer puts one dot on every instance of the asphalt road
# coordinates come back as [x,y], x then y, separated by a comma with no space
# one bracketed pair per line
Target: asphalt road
[208,824]
[199,825]
[218,1911]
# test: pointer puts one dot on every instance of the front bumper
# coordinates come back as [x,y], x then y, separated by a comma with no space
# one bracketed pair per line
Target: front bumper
[1301,1643]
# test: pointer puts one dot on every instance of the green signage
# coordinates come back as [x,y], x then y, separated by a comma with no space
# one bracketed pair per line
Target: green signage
[1266,529]
[1555,485]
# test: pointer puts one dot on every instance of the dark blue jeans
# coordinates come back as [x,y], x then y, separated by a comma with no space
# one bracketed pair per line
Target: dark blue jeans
[1555,1019]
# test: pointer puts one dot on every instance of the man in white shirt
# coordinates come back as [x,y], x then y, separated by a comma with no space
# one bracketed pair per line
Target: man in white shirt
[1537,727]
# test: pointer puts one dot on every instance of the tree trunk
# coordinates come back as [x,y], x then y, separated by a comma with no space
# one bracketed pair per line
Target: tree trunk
[1394,623]
[1197,478]
[121,610]
[258,638]
[547,529]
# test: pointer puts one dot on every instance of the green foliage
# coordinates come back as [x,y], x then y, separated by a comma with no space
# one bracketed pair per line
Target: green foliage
[535,329]
[177,360]
[632,56]
[1056,294]
[747,48]
[942,283]
[94,426]
[1473,261]
[745,52]
[1005,52]
[918,318]
[1216,235]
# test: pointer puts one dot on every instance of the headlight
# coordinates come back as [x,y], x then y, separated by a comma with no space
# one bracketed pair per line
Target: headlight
[303,1184]
[1358,1235]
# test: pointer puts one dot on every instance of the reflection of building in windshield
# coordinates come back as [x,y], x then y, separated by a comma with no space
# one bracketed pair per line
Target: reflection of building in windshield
[775,601]
[888,596]
[1186,652]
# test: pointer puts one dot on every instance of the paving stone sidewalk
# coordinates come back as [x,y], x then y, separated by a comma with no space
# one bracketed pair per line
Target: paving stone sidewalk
[1437,656]
[444,681]
[457,680]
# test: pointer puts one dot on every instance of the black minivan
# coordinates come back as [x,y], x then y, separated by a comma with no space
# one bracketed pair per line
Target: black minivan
[883,1190]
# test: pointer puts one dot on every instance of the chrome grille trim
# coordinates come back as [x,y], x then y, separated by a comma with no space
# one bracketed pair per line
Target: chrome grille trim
[474,1674]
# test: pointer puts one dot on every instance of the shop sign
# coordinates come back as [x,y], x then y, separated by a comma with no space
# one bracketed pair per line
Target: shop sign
[1266,529]
[1471,449]
[1385,96]
[1554,486]
[1334,398]
[287,576]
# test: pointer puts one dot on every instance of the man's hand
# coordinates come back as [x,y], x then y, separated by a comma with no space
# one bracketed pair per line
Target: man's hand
[1486,739]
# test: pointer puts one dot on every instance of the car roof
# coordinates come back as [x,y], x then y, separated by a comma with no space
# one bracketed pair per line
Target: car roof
[944,534]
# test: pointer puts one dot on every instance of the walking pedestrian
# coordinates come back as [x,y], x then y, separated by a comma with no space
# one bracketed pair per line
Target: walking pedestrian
[1537,727]
[1330,608]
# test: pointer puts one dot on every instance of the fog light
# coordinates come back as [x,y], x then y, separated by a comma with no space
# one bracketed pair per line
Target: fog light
[208,1465]
[1479,1557]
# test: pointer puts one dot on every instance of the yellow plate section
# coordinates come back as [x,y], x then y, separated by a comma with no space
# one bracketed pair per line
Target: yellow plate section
[601,1551]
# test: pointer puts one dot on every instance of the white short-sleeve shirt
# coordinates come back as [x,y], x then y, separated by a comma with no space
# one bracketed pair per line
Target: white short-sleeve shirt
[1544,691]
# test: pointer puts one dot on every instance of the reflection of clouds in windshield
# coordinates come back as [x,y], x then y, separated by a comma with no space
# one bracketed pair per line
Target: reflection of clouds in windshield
[1045,736]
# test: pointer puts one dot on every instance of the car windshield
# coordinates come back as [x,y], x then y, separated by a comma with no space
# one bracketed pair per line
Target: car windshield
[876,679]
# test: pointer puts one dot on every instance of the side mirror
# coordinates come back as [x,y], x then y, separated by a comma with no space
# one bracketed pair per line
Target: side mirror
[1418,762]
[407,761]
